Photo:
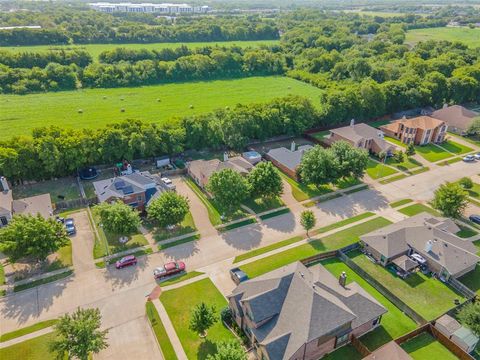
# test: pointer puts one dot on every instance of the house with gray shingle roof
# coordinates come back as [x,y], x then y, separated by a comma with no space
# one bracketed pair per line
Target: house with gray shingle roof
[457,117]
[297,312]
[361,136]
[288,160]
[432,237]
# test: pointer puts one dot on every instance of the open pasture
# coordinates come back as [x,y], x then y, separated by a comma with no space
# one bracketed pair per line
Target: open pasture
[471,37]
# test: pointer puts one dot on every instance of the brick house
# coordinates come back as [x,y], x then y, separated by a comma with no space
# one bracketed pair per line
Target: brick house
[432,237]
[361,136]
[288,160]
[296,312]
[420,130]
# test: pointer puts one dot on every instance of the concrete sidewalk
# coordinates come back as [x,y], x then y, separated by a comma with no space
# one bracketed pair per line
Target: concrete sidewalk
[169,329]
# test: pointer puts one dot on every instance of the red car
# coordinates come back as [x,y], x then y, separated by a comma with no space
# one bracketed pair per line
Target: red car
[126,261]
[169,269]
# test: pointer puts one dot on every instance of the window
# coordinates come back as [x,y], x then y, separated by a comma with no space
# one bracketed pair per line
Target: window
[376,321]
[342,339]
[139,197]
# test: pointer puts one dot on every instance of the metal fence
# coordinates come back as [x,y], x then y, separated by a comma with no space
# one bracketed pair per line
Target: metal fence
[382,289]
[462,289]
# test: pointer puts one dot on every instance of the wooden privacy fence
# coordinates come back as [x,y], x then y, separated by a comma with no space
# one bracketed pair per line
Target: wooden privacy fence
[75,203]
[359,346]
[382,289]
[329,254]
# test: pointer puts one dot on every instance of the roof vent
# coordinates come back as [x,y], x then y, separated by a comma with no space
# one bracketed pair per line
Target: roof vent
[352,122]
[302,275]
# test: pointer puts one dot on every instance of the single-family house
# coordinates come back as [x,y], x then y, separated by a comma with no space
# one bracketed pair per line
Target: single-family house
[389,351]
[433,238]
[457,117]
[459,334]
[288,160]
[296,312]
[33,205]
[362,136]
[135,189]
[420,130]
[201,170]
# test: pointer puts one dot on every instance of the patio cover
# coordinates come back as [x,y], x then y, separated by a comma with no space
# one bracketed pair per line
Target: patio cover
[405,263]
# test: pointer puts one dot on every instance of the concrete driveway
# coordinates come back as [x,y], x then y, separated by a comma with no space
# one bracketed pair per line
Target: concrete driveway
[82,243]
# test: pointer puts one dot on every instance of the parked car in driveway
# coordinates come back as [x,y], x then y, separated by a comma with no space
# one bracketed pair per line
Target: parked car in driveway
[469,158]
[126,261]
[168,269]
[69,224]
[475,219]
[477,156]
[238,275]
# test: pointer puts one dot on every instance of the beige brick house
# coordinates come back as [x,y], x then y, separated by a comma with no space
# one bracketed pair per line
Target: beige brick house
[421,130]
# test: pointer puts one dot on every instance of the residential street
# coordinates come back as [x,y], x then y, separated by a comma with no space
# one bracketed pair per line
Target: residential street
[120,294]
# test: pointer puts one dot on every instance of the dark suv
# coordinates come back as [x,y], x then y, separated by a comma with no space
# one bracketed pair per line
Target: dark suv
[238,275]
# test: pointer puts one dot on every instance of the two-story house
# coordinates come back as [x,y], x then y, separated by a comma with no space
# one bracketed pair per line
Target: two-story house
[421,130]
[297,312]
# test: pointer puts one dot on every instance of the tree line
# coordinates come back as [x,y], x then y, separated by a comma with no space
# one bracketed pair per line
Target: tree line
[182,65]
[54,151]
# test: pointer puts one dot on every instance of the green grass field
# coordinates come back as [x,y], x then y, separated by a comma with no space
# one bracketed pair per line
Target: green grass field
[96,49]
[471,37]
[425,347]
[20,114]
[27,330]
[179,304]
[378,170]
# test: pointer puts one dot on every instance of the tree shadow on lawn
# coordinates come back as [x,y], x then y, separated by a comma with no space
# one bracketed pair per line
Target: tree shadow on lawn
[23,306]
[414,280]
[248,238]
[207,347]
[376,338]
[119,278]
[284,223]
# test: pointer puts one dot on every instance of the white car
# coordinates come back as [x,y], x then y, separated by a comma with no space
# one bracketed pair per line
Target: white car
[477,156]
[166,180]
[418,258]
[469,158]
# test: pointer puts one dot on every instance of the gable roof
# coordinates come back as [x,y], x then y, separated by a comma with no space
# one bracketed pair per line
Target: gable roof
[298,305]
[419,122]
[206,168]
[40,204]
[455,116]
[389,351]
[286,157]
[448,250]
[125,185]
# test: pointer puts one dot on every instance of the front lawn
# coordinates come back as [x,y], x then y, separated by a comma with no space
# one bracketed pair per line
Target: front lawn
[331,242]
[395,141]
[426,347]
[432,153]
[33,349]
[474,191]
[378,170]
[398,203]
[183,277]
[466,232]
[27,330]
[215,211]
[394,323]
[186,226]
[417,209]
[427,296]
[303,192]
[179,304]
[63,258]
[407,164]
[455,147]
[260,204]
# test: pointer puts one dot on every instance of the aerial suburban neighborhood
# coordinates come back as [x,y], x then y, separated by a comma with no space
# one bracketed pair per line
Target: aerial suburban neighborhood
[239,180]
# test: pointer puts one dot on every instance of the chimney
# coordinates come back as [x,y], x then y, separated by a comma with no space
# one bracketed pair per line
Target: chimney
[428,246]
[4,184]
[445,106]
[293,146]
[225,156]
[352,122]
[342,280]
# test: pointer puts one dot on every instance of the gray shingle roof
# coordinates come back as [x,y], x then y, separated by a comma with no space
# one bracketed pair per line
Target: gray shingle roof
[455,116]
[299,305]
[448,250]
[136,183]
[361,131]
[288,158]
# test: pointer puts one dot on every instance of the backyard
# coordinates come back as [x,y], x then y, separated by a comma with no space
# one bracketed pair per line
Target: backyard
[179,313]
[427,296]
[331,242]
[426,347]
[59,189]
[394,323]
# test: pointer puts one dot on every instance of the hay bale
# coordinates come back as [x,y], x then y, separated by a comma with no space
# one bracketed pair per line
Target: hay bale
[80,111]
[122,110]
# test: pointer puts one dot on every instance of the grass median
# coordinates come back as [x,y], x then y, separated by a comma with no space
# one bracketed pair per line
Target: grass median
[160,333]
[27,330]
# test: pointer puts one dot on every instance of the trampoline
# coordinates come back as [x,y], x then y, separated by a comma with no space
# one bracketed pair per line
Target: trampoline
[88,173]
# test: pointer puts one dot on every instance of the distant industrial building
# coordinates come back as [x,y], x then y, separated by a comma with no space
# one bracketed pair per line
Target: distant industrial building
[165,8]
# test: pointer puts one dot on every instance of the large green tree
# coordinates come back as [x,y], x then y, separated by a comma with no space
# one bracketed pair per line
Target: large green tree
[28,235]
[451,199]
[228,188]
[229,350]
[202,318]
[78,335]
[118,217]
[350,161]
[265,181]
[474,127]
[319,167]
[168,209]
[469,316]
